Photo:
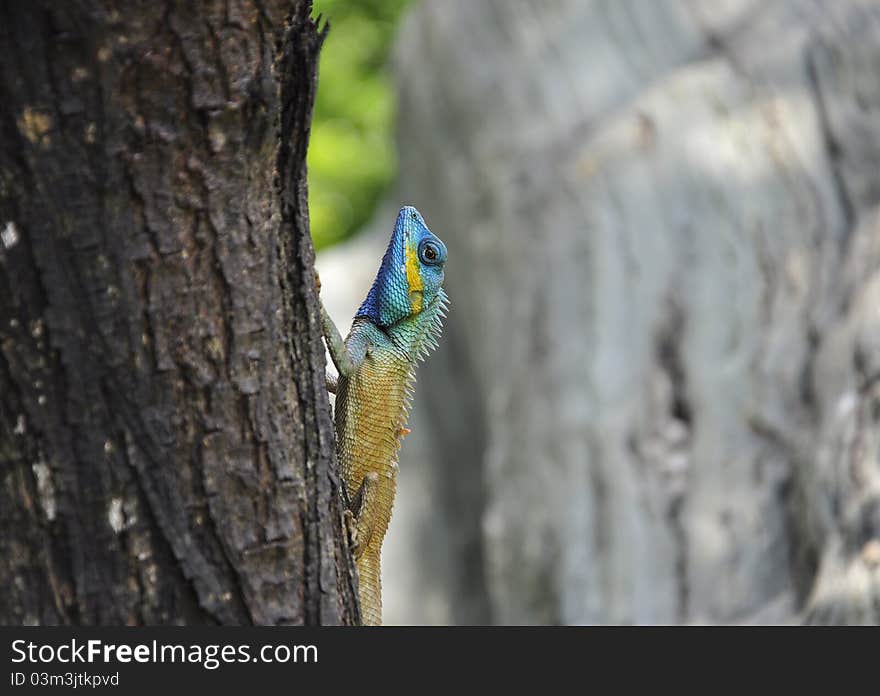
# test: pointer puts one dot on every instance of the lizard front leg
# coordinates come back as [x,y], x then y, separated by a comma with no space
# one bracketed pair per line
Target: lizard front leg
[338,351]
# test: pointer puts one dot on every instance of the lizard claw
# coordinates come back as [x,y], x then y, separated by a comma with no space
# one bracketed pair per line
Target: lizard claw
[403,432]
[351,528]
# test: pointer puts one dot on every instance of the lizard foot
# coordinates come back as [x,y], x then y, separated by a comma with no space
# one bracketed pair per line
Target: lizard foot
[364,510]
[350,527]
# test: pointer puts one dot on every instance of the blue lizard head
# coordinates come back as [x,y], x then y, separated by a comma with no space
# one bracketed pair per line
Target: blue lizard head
[411,273]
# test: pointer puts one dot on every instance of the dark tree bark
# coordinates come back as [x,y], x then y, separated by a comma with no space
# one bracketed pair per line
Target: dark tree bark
[166,449]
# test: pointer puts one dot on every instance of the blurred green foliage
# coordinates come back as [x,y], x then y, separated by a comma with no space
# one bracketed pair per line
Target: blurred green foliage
[351,157]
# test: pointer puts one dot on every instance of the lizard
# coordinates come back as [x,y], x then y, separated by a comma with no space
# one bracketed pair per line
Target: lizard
[395,327]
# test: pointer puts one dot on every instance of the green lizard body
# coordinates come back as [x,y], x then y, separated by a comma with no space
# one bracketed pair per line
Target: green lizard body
[394,328]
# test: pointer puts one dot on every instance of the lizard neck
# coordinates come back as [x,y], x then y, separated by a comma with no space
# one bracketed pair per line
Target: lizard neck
[417,334]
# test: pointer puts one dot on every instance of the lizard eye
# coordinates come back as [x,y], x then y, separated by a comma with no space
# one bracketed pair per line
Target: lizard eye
[429,252]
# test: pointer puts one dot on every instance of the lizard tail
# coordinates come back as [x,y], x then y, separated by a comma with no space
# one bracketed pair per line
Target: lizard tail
[370,587]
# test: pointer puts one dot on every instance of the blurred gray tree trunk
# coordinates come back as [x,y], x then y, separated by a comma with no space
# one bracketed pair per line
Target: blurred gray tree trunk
[658,395]
[166,452]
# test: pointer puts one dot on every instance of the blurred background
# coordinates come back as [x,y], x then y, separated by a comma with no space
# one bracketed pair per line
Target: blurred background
[352,157]
[657,397]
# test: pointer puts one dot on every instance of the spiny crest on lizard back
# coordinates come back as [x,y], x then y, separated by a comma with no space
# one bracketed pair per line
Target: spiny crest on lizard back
[410,276]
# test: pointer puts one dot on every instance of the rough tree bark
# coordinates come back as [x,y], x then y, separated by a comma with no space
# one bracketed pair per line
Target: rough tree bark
[657,394]
[166,451]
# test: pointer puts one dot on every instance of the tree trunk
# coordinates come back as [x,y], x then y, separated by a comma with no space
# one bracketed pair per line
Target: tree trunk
[165,437]
[657,394]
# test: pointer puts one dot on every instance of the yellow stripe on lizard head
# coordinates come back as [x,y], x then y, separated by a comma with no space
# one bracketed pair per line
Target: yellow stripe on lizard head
[414,278]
